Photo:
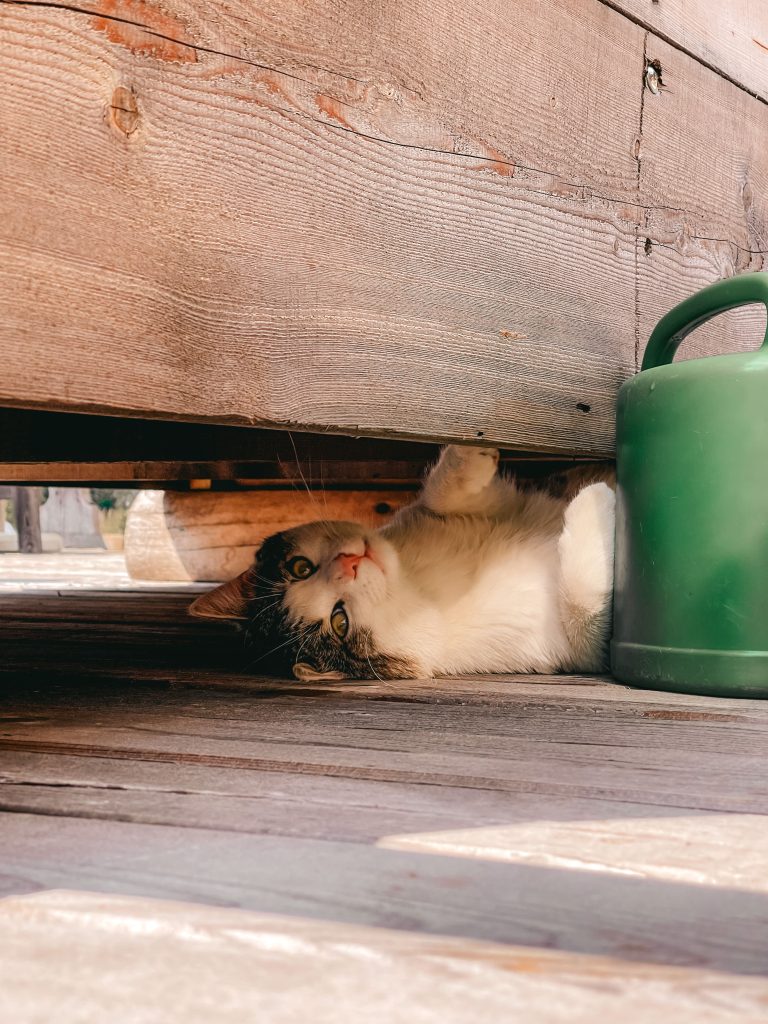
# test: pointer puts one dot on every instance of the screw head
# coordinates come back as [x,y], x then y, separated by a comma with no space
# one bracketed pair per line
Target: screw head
[653,79]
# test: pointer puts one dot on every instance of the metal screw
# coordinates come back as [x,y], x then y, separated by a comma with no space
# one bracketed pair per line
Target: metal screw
[653,79]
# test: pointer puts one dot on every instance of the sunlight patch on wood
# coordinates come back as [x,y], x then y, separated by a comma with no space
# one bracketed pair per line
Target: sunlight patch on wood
[728,850]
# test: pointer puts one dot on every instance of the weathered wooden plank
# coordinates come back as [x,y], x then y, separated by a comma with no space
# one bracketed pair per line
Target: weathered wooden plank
[705,159]
[446,818]
[317,476]
[410,77]
[633,839]
[729,37]
[554,710]
[558,814]
[555,741]
[281,969]
[135,607]
[735,783]
[141,475]
[597,913]
[478,289]
[593,694]
[344,83]
[250,475]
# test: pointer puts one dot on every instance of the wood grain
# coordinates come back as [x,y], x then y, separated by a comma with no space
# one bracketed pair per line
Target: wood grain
[616,836]
[712,171]
[731,38]
[517,734]
[352,218]
[596,914]
[271,264]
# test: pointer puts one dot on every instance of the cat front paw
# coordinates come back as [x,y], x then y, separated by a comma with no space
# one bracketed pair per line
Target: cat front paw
[474,467]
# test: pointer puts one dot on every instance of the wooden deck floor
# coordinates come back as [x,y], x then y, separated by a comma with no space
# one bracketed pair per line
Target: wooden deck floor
[537,849]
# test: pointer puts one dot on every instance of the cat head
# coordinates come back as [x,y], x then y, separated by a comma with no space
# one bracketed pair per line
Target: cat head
[321,601]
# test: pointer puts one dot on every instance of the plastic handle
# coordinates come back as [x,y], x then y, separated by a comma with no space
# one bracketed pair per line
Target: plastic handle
[717,298]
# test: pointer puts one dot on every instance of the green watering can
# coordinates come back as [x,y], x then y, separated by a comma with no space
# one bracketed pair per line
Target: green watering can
[691,584]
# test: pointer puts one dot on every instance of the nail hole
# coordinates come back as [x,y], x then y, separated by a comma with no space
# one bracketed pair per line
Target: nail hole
[481,433]
[583,407]
[648,246]
[383,508]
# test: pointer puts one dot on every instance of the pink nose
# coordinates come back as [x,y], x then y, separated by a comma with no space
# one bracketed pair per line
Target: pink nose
[348,565]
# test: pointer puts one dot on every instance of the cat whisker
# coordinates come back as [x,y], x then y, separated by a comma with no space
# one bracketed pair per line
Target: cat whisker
[263,611]
[279,647]
[322,490]
[303,479]
[368,659]
[263,579]
[301,648]
[275,592]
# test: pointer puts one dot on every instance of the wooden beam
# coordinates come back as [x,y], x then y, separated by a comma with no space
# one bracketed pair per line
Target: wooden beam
[379,224]
[506,246]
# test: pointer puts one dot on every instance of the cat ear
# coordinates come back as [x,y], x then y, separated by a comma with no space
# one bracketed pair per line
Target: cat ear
[229,601]
[307,673]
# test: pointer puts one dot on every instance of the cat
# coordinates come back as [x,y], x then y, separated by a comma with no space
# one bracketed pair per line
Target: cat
[475,576]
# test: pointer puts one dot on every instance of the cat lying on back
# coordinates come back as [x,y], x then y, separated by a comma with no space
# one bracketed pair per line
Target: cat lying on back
[474,576]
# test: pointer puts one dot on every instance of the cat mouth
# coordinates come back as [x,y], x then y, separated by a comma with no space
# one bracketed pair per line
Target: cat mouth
[370,554]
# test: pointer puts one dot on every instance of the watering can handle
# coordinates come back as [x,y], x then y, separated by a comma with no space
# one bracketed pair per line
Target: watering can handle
[690,314]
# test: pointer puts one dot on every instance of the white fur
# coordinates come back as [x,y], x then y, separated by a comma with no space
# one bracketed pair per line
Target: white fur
[475,576]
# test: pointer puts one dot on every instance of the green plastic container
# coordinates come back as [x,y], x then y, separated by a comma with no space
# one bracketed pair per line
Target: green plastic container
[691,587]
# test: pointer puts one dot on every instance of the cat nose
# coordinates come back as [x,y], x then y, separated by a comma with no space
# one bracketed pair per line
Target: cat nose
[348,565]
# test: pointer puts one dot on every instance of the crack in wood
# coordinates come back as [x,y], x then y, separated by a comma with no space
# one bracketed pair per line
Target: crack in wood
[587,193]
[74,9]
[370,774]
[728,241]
[675,44]
[9,780]
[130,818]
[639,158]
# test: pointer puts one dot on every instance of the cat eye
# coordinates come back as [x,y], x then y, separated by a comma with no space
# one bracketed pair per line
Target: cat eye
[300,568]
[339,621]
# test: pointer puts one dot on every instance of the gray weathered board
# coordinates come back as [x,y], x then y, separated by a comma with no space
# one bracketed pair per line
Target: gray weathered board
[611,842]
[436,221]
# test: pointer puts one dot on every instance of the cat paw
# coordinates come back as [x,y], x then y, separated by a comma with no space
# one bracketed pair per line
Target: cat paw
[474,467]
[586,547]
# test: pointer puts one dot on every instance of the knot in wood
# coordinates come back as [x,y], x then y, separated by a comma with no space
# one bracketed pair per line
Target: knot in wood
[124,110]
